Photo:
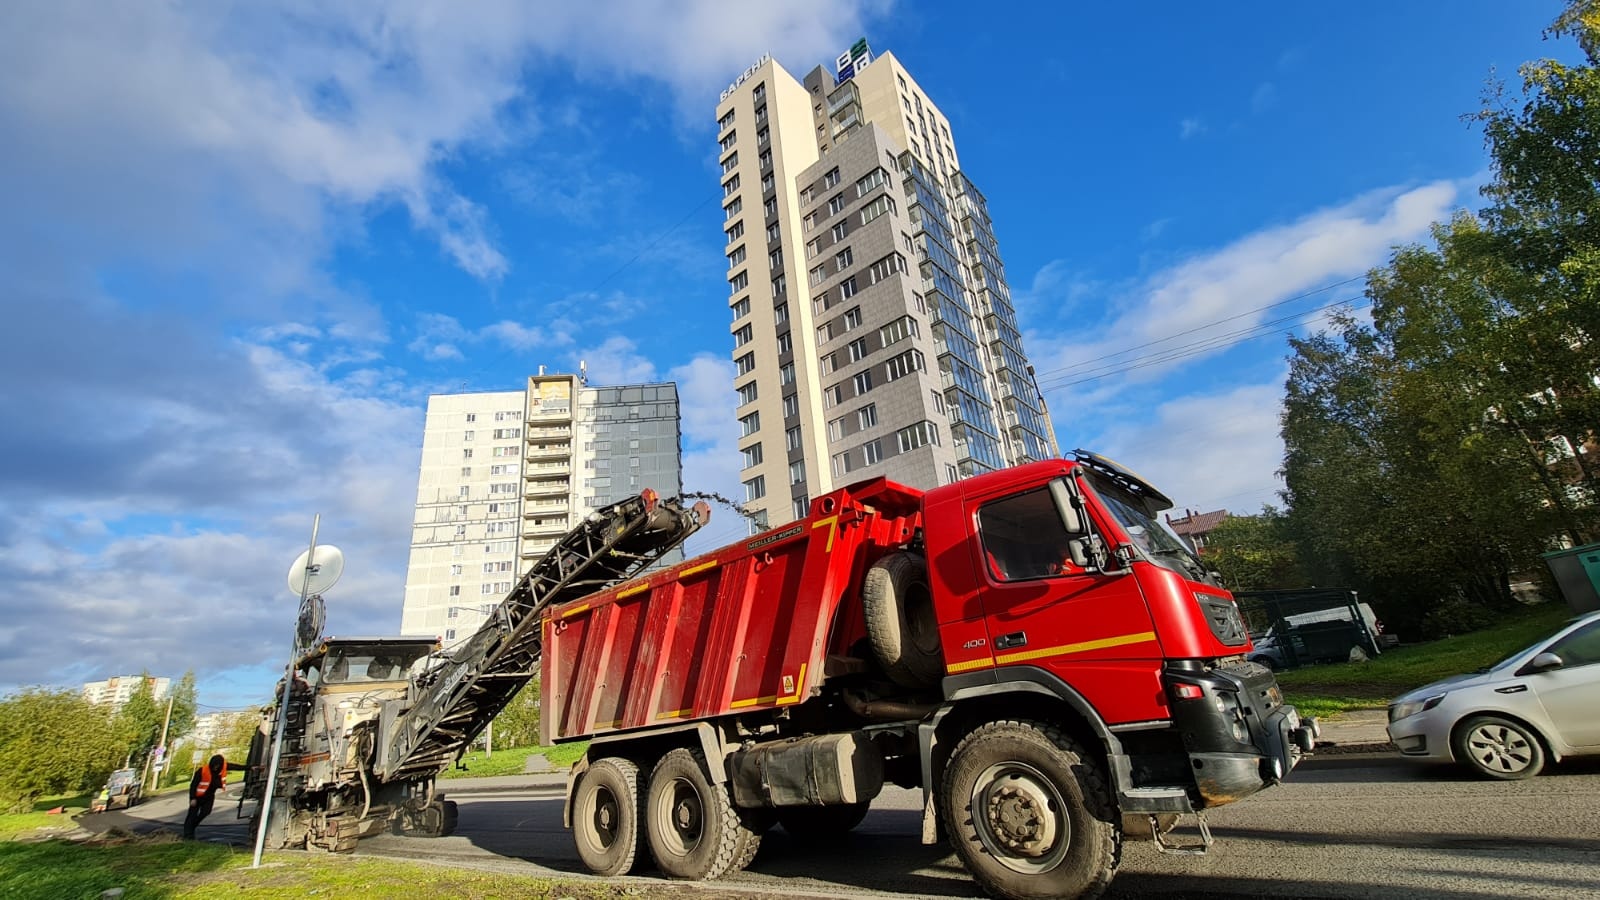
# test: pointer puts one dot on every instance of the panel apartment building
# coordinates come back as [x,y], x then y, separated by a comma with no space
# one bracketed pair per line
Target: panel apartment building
[872,324]
[505,474]
[118,689]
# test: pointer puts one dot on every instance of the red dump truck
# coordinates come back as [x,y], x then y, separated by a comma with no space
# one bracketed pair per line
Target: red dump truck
[1029,647]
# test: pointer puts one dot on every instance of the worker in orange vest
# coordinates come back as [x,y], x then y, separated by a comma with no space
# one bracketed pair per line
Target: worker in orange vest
[203,788]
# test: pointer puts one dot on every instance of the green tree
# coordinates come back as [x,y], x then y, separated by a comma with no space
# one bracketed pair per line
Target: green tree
[1256,553]
[517,725]
[53,742]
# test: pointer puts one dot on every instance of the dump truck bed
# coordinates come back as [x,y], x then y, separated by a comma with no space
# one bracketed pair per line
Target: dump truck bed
[743,628]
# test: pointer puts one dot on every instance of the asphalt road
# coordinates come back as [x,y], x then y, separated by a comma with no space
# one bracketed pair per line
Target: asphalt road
[1351,826]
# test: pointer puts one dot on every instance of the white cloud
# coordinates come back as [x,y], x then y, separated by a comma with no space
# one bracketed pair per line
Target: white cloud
[1189,301]
[616,360]
[711,442]
[1191,127]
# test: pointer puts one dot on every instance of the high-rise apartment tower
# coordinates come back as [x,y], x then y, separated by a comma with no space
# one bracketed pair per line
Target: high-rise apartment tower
[505,474]
[872,324]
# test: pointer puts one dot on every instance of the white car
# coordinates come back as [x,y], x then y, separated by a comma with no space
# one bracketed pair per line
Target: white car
[1540,704]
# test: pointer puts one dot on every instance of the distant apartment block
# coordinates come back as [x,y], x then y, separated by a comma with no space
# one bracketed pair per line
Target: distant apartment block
[117,689]
[872,326]
[505,474]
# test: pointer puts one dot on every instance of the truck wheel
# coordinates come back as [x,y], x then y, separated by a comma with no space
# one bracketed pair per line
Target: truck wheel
[900,620]
[817,824]
[605,817]
[1029,812]
[1498,748]
[695,833]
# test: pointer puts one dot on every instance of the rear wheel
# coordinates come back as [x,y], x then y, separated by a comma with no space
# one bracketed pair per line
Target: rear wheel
[695,833]
[1499,748]
[1029,812]
[605,817]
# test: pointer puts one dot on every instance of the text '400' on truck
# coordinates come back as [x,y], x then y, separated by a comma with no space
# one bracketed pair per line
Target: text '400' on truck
[1029,647]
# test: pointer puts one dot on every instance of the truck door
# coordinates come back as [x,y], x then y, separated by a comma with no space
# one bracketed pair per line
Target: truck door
[1090,628]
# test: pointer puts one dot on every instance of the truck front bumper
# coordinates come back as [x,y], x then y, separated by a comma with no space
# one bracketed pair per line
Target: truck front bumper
[1239,735]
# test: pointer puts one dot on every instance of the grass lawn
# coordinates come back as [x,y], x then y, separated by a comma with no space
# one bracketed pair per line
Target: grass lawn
[514,760]
[15,824]
[1325,690]
[163,867]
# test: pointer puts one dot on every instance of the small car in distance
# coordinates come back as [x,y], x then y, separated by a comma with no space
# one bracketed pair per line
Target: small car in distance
[1537,705]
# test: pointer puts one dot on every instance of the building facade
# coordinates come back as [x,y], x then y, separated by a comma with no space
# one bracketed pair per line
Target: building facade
[505,474]
[117,689]
[872,324]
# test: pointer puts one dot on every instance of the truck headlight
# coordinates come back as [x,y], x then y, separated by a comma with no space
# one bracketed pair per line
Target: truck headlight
[1411,707]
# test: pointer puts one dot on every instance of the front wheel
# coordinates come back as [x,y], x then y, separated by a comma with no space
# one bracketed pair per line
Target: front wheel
[1499,748]
[1029,812]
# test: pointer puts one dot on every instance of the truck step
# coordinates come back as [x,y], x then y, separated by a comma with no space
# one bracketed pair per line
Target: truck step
[1196,849]
[1157,799]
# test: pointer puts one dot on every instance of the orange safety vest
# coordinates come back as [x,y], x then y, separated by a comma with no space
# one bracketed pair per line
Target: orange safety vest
[205,779]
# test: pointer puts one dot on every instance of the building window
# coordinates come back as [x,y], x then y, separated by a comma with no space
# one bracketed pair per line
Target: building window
[872,452]
[862,382]
[786,373]
[785,343]
[835,429]
[797,472]
[937,400]
[750,424]
[780,313]
[774,232]
[791,406]
[767,183]
[747,393]
[810,219]
[742,336]
[738,282]
[780,286]
[727,141]
[725,121]
[885,267]
[770,208]
[852,318]
[455,589]
[835,204]
[904,364]
[732,161]
[466,471]
[818,275]
[755,488]
[775,258]
[827,364]
[840,229]
[467,435]
[898,330]
[751,455]
[736,232]
[876,208]
[842,259]
[741,308]
[842,464]
[832,178]
[867,416]
[811,248]
[736,257]
[761,138]
[791,438]
[729,186]
[732,209]
[745,364]
[869,182]
[858,349]
[914,436]
[765,159]
[802,506]
[467,453]
[449,634]
[833,396]
[847,288]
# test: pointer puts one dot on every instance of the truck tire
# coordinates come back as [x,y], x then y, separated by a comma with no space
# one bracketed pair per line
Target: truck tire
[606,811]
[819,824]
[900,620]
[695,833]
[1030,813]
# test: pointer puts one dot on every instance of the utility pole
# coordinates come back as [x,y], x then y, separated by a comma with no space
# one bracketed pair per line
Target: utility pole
[161,744]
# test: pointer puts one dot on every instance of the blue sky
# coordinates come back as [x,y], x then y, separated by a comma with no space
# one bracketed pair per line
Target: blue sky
[242,243]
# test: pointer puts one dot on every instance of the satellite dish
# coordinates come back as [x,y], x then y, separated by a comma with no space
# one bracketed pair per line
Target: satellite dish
[313,573]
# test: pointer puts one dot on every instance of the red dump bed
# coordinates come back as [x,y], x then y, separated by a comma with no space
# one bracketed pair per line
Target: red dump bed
[745,627]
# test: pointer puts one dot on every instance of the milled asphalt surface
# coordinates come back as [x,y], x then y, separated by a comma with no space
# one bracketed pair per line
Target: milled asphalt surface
[1345,825]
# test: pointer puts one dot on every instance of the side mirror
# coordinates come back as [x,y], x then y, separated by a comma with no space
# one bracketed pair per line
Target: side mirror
[1545,661]
[1067,508]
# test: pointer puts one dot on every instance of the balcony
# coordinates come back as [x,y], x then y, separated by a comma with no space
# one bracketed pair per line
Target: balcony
[549,451]
[547,488]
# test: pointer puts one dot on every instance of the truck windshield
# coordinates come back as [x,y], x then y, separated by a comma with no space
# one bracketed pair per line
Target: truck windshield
[1150,540]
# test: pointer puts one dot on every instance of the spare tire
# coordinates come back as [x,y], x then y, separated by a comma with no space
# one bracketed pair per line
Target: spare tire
[900,620]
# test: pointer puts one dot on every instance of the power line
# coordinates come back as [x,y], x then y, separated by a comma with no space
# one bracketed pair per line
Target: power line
[1067,370]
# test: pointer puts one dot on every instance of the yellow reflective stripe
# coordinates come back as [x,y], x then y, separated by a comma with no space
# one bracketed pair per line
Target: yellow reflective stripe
[684,573]
[674,714]
[827,523]
[969,665]
[753,701]
[636,589]
[1080,647]
[575,610]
